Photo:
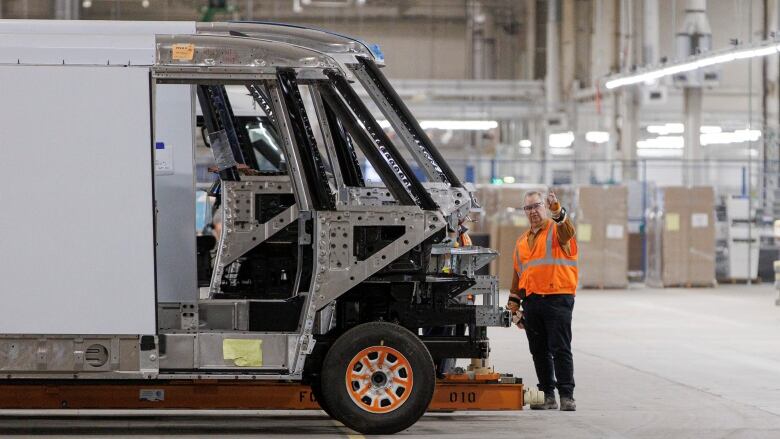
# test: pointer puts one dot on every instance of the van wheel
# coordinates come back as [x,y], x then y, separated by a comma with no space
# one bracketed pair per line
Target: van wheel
[378,378]
[316,389]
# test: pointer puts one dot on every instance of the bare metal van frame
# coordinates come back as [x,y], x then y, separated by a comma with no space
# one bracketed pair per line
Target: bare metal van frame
[182,349]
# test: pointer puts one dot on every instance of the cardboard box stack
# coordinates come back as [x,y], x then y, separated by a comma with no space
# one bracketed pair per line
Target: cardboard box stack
[506,227]
[602,236]
[681,237]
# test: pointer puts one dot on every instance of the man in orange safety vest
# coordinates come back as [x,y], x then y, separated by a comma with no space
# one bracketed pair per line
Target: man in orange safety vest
[544,284]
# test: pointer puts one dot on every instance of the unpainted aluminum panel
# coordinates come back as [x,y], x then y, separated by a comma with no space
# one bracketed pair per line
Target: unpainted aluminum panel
[77,220]
[92,42]
[274,350]
[10,26]
[174,122]
[54,49]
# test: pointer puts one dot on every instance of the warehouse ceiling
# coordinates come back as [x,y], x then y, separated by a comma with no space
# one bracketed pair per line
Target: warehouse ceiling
[508,12]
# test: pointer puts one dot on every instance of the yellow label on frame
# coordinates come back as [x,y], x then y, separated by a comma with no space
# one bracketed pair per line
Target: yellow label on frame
[183,52]
[584,232]
[243,352]
[672,222]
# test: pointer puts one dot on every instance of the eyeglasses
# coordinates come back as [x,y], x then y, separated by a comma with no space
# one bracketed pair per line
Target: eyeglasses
[531,207]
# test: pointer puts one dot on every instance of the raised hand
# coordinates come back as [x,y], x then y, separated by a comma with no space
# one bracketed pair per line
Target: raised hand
[552,202]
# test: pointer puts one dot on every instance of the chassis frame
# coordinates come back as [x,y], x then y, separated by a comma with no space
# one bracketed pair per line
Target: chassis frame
[334,288]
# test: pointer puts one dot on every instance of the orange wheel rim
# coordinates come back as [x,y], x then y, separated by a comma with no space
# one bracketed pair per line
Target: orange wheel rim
[379,379]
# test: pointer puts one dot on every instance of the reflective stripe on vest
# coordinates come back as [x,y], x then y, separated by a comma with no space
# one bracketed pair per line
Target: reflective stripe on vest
[547,259]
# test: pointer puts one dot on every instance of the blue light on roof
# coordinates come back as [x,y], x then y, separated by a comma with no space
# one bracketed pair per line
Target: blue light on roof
[377,52]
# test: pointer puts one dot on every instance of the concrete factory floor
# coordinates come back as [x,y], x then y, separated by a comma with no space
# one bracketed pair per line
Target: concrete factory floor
[649,363]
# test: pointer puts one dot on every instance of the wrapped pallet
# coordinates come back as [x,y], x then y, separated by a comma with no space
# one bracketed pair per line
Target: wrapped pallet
[681,237]
[602,238]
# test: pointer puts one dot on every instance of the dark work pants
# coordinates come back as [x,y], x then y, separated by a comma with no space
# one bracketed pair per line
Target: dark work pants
[548,327]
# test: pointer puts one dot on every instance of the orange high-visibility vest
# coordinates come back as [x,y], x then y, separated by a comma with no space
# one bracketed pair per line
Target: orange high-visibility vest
[546,268]
[464,240]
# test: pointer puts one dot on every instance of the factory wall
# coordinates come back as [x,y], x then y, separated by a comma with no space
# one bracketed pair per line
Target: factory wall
[437,52]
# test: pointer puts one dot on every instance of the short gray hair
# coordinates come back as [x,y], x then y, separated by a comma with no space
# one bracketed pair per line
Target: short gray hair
[531,193]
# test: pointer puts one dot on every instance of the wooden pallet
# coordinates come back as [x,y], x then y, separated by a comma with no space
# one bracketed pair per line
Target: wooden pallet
[733,281]
[603,287]
[689,285]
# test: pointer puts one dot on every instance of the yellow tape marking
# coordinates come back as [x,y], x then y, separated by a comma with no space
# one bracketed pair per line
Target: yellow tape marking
[243,352]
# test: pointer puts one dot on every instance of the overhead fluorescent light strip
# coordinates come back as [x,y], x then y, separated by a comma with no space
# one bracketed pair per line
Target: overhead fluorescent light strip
[711,138]
[666,129]
[597,136]
[466,125]
[470,125]
[765,48]
[738,136]
[561,140]
[662,142]
[561,151]
[659,153]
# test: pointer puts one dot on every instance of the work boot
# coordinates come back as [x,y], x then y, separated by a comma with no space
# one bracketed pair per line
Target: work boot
[548,404]
[568,404]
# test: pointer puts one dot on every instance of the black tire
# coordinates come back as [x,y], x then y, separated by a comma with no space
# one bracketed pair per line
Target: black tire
[397,378]
[316,389]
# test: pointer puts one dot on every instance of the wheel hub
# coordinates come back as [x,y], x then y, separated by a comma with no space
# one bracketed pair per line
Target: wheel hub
[379,379]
